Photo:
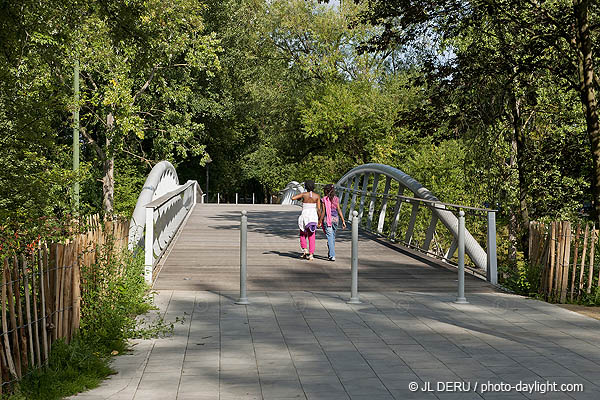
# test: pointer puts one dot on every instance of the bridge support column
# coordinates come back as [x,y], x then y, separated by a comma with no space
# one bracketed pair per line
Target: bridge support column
[354,288]
[461,259]
[243,300]
[396,218]
[384,200]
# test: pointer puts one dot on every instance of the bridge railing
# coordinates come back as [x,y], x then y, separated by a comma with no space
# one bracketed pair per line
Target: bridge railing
[164,216]
[412,219]
[413,223]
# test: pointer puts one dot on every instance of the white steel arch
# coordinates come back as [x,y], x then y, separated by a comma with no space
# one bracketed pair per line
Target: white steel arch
[350,183]
[161,209]
[161,180]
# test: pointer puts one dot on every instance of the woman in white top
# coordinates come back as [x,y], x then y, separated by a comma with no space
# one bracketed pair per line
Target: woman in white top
[309,220]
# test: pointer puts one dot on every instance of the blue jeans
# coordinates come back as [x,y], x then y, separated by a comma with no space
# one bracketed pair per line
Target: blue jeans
[330,232]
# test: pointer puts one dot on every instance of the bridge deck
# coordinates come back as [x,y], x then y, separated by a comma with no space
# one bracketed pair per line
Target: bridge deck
[206,257]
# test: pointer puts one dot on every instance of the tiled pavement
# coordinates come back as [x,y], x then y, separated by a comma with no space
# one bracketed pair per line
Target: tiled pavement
[312,345]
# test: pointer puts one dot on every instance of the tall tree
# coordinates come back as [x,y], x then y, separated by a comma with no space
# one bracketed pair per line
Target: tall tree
[139,63]
[508,45]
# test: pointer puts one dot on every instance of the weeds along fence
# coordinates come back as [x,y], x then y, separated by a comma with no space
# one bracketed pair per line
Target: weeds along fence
[42,293]
[564,256]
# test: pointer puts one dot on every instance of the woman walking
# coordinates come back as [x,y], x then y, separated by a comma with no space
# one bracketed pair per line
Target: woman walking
[332,214]
[310,218]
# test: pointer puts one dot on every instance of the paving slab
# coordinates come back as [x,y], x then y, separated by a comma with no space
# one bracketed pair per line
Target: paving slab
[441,343]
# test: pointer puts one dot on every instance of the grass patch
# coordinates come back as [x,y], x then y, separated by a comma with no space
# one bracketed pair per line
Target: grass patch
[71,369]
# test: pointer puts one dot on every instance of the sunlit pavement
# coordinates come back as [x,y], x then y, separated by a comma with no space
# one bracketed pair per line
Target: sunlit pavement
[313,345]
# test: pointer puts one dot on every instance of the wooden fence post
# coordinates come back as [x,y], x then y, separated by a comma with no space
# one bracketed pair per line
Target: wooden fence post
[574,274]
[566,262]
[592,246]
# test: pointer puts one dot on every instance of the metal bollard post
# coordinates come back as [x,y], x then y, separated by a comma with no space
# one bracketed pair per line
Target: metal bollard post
[354,288]
[252,198]
[236,198]
[492,264]
[243,300]
[218,198]
[461,259]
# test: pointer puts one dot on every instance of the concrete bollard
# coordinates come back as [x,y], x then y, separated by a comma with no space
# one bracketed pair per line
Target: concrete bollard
[354,268]
[243,300]
[461,258]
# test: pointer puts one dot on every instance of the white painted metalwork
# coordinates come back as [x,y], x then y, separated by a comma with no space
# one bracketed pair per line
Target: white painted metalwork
[161,208]
[460,299]
[162,179]
[293,188]
[423,198]
[354,299]
[243,299]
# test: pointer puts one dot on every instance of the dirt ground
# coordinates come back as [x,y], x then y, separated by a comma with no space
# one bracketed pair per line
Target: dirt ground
[593,312]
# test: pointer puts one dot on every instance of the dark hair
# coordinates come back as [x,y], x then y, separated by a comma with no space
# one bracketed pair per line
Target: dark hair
[309,185]
[329,191]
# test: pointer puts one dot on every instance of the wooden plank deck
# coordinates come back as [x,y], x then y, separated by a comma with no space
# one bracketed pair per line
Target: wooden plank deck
[206,257]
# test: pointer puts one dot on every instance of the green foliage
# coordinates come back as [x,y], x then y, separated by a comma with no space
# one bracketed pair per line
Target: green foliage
[526,280]
[71,368]
[131,177]
[441,169]
[479,101]
[113,294]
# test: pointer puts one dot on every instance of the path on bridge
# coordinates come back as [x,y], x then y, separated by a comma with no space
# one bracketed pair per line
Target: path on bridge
[206,257]
[299,339]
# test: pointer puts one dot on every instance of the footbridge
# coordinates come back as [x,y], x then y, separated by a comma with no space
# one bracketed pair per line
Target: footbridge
[408,238]
[300,338]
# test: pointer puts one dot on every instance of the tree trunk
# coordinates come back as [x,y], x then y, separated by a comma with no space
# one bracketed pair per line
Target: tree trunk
[513,225]
[108,180]
[587,92]
[519,152]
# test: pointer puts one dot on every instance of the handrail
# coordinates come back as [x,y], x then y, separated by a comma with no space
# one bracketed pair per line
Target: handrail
[164,217]
[408,199]
[168,196]
[161,208]
[162,179]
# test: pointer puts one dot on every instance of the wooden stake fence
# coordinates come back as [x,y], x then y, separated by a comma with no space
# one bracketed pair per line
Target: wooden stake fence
[41,295]
[550,248]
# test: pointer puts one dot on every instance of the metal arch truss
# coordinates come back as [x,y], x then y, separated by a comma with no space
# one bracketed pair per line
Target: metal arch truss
[162,179]
[293,188]
[161,208]
[359,192]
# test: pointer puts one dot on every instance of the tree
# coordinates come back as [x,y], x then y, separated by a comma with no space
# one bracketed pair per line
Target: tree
[539,36]
[140,61]
[35,171]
